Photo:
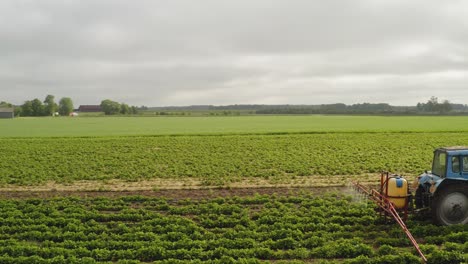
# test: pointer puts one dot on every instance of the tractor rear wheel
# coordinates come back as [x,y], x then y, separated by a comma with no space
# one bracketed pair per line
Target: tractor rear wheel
[450,206]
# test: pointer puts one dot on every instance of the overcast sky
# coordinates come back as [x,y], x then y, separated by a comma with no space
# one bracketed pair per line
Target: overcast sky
[173,52]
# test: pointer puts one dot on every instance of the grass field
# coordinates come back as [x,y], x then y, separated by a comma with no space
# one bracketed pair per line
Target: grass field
[113,126]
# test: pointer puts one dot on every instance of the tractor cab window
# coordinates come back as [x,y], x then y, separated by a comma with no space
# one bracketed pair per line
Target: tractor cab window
[456,164]
[465,164]
[440,164]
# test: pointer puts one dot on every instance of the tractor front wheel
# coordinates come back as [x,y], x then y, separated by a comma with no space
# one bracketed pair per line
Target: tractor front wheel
[450,206]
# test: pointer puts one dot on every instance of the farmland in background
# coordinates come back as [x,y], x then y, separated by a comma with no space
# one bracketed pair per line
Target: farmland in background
[116,126]
[85,222]
[218,159]
[219,150]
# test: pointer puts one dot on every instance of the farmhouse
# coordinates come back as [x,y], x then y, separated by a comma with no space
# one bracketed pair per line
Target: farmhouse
[90,108]
[7,113]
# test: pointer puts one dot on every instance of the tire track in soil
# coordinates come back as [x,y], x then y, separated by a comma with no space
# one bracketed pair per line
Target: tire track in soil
[177,194]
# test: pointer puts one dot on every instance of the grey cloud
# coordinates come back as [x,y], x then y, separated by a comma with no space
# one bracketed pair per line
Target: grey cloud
[226,52]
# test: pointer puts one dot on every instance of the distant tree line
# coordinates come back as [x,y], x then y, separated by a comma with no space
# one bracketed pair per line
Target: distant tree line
[433,106]
[4,104]
[48,107]
[110,107]
[365,108]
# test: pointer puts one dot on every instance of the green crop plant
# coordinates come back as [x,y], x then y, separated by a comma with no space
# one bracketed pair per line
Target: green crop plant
[217,158]
[84,230]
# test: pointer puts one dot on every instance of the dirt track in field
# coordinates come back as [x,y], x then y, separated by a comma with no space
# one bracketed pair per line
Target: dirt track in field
[188,188]
[160,184]
[176,194]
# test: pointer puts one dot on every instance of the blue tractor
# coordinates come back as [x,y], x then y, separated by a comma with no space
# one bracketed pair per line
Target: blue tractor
[444,190]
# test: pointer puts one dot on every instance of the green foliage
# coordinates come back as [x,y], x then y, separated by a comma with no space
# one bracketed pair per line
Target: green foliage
[110,107]
[133,110]
[115,125]
[50,107]
[433,106]
[5,104]
[124,109]
[386,250]
[223,230]
[65,106]
[401,258]
[221,159]
[37,107]
[104,230]
[444,257]
[27,109]
[343,248]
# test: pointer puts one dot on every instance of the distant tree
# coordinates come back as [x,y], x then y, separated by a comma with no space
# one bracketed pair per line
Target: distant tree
[50,107]
[18,111]
[37,107]
[124,109]
[433,106]
[110,107]
[134,110]
[420,106]
[445,107]
[5,104]
[65,106]
[26,108]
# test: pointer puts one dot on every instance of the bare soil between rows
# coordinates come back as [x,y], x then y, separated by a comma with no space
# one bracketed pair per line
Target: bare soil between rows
[180,194]
[189,188]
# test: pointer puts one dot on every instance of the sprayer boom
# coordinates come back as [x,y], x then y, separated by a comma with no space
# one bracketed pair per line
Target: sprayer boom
[386,200]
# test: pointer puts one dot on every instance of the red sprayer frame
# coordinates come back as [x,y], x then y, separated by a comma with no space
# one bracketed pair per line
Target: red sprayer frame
[387,206]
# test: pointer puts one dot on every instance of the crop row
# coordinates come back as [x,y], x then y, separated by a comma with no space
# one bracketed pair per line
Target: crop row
[261,228]
[217,158]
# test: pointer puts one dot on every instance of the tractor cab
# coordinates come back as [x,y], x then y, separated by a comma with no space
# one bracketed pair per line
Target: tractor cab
[451,163]
[445,189]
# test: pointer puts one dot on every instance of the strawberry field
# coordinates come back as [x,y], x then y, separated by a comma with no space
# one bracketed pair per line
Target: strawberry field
[297,228]
[217,159]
